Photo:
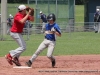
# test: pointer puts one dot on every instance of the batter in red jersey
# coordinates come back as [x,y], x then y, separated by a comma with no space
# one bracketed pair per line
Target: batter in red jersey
[16,33]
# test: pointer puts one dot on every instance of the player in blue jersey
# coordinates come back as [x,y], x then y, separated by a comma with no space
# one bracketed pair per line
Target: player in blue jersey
[43,20]
[97,21]
[51,31]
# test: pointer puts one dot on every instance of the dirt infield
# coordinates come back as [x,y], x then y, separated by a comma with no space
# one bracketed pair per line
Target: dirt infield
[65,65]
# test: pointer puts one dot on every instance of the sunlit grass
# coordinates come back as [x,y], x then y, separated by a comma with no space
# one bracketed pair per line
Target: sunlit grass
[76,43]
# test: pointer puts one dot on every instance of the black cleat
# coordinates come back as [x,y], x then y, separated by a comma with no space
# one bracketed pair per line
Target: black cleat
[16,61]
[96,31]
[29,63]
[53,63]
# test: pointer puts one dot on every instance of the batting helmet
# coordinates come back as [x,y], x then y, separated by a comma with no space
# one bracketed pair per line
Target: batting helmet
[51,17]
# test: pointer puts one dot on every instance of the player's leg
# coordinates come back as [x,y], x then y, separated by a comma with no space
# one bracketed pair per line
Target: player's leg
[8,29]
[43,27]
[41,47]
[96,27]
[50,53]
[22,47]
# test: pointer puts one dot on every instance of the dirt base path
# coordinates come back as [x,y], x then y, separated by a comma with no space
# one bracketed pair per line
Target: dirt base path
[65,65]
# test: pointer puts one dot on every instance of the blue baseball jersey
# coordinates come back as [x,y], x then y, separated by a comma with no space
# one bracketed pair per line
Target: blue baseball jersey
[97,17]
[48,27]
[44,18]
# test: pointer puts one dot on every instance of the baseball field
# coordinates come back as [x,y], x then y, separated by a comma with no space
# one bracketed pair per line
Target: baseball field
[76,53]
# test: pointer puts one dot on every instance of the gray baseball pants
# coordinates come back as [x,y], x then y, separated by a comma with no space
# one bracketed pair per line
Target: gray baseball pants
[97,27]
[43,27]
[22,45]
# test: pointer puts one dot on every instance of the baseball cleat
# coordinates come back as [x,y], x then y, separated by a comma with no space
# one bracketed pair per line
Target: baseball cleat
[9,59]
[29,63]
[16,61]
[96,31]
[53,63]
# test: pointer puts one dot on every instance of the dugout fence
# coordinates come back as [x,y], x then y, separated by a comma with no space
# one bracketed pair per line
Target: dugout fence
[26,32]
[36,29]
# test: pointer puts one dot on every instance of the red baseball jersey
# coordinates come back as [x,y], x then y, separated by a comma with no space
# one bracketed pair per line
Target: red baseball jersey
[17,26]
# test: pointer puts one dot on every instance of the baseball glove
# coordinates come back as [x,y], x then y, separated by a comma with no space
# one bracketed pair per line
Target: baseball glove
[27,8]
[32,12]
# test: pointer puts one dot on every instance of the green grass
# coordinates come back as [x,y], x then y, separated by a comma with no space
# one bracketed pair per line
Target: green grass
[76,43]
[79,13]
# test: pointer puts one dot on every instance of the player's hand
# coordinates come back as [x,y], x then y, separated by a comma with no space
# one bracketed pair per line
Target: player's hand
[46,32]
[30,11]
[49,32]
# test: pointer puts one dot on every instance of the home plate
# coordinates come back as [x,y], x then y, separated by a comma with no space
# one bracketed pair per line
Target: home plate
[22,67]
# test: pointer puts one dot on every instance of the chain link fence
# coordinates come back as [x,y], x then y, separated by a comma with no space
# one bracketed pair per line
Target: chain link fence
[26,31]
[35,28]
[47,7]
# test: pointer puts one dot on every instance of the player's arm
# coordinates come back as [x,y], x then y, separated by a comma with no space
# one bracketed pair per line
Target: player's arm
[56,30]
[41,19]
[25,18]
[31,15]
[58,34]
[31,18]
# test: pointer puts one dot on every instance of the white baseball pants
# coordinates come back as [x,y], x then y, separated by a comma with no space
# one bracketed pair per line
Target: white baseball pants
[22,45]
[45,44]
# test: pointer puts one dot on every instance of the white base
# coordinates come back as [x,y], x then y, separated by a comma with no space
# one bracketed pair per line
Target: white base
[22,67]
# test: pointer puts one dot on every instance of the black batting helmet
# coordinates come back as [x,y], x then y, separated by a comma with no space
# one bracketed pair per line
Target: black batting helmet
[51,17]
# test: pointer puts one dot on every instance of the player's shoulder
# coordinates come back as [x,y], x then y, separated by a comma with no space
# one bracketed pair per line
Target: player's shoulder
[56,24]
[46,24]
